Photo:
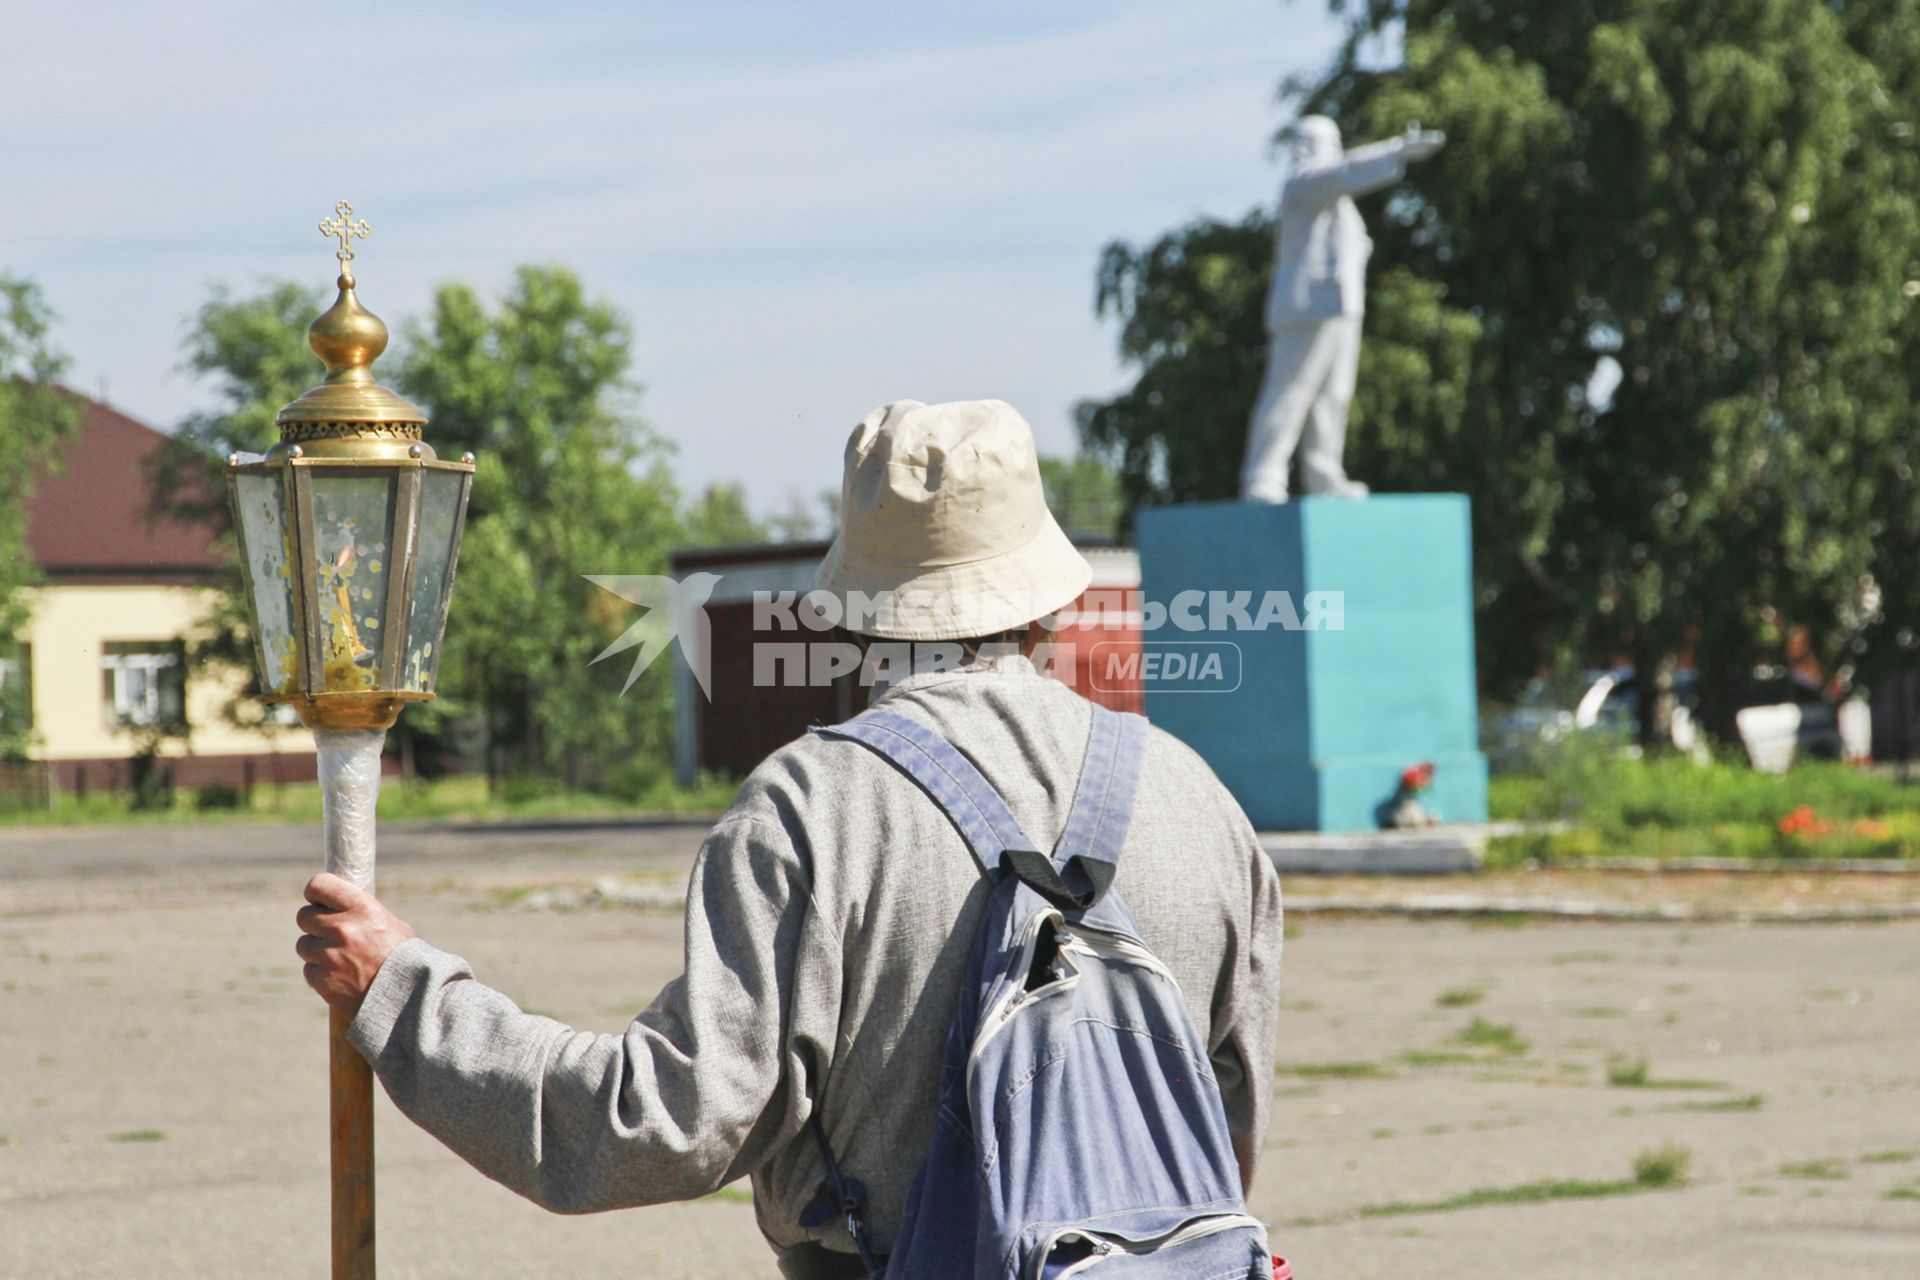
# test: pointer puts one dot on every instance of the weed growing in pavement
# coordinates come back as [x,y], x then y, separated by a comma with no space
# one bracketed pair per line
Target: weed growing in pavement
[1337,1070]
[1745,1102]
[1634,1073]
[1814,1170]
[1497,1036]
[1657,1170]
[1666,1166]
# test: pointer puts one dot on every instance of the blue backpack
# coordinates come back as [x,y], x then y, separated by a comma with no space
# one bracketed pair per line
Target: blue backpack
[1080,1128]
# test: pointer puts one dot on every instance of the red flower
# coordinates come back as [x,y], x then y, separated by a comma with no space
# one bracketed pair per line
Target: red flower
[1417,777]
[1804,822]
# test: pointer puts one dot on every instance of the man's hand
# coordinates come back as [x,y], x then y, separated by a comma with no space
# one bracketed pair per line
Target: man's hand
[345,936]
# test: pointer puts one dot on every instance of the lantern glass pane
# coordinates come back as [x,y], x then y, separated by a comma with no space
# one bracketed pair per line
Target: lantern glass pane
[351,516]
[432,577]
[262,501]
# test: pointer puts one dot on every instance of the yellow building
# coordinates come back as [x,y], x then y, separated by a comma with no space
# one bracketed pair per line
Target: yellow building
[105,657]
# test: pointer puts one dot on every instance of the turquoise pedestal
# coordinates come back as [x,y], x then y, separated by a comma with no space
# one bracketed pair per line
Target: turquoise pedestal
[1310,725]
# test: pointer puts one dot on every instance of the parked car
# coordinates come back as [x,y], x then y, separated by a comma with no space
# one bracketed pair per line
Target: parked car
[1603,703]
[1782,718]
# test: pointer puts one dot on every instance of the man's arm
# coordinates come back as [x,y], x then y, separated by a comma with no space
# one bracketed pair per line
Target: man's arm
[1246,1013]
[698,1090]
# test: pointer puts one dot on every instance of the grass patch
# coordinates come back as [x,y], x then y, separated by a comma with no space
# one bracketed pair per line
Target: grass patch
[138,1135]
[1497,1036]
[1890,1157]
[1628,1073]
[1524,1193]
[1337,1070]
[1634,1073]
[1436,1057]
[733,1194]
[1902,1193]
[1815,1171]
[444,799]
[1459,997]
[1746,1102]
[1666,806]
[1652,1171]
[1667,1166]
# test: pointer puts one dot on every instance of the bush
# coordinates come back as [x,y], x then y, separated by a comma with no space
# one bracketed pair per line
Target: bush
[150,783]
[1667,806]
[526,788]
[217,795]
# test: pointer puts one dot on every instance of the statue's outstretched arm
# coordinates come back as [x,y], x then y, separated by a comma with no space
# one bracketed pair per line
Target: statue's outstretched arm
[1358,171]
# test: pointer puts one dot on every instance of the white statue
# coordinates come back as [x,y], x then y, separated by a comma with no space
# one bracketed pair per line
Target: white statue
[1314,310]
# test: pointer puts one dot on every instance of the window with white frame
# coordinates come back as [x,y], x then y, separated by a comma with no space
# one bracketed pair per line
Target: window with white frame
[145,684]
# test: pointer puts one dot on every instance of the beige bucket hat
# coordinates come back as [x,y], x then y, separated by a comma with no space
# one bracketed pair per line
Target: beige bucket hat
[944,527]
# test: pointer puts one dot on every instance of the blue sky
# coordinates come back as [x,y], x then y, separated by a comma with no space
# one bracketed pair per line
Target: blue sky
[804,209]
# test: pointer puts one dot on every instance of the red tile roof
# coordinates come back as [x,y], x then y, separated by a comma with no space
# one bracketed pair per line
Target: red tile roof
[91,520]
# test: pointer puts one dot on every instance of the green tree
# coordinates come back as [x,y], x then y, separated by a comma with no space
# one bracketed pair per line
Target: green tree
[1888,637]
[1189,307]
[253,349]
[719,518]
[36,415]
[571,482]
[803,521]
[1083,493]
[1713,199]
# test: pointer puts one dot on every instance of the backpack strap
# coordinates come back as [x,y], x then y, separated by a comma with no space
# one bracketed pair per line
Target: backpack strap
[1087,855]
[1097,824]
[948,777]
[1082,867]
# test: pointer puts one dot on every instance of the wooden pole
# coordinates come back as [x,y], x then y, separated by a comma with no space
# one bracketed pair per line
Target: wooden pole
[350,1082]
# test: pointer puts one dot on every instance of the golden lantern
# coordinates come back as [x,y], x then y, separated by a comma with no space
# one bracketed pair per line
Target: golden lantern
[349,533]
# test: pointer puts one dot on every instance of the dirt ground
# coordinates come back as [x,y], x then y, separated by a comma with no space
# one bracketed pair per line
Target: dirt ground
[163,1096]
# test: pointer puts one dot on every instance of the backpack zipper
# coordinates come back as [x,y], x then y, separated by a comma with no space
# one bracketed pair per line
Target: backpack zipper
[1114,948]
[1105,1246]
[1010,1003]
[1089,942]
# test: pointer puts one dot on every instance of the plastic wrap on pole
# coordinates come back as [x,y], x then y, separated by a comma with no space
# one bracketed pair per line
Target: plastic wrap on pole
[349,792]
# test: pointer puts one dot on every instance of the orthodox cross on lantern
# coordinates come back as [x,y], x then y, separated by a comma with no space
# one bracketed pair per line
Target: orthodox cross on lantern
[343,228]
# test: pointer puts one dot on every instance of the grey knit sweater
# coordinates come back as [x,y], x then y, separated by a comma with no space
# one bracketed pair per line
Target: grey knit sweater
[828,919]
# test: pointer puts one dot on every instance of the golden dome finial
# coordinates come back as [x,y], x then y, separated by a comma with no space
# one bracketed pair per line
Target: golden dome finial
[348,338]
